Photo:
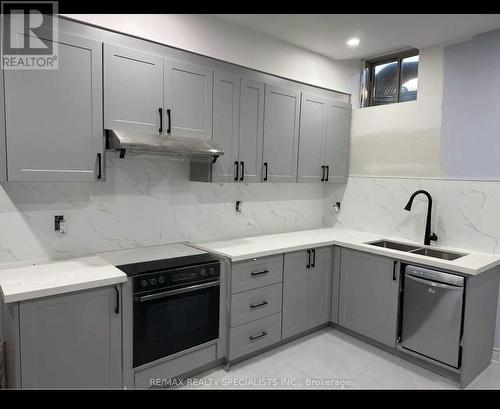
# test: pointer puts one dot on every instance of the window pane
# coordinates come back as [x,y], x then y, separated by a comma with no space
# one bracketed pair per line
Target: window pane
[385,83]
[409,79]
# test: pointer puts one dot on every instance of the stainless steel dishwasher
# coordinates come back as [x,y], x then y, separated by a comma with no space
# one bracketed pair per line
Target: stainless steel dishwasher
[432,314]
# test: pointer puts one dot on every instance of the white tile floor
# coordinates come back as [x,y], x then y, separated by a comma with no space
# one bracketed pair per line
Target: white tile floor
[330,359]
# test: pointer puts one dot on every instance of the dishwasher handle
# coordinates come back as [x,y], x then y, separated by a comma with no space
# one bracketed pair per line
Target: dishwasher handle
[433,283]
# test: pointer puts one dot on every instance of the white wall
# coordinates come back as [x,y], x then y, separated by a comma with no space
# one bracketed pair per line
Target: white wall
[212,36]
[402,139]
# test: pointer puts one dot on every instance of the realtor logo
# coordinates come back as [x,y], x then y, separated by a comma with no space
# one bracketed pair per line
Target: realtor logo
[29,35]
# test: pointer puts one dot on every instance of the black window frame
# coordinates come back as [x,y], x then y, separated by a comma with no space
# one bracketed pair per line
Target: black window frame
[370,74]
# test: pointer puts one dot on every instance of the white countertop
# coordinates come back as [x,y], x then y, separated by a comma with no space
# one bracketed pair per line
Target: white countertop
[258,246]
[23,282]
[141,254]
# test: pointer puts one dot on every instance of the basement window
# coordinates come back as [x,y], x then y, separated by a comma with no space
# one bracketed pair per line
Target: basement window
[390,79]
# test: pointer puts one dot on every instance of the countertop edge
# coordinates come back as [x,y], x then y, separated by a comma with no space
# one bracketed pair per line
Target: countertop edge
[63,289]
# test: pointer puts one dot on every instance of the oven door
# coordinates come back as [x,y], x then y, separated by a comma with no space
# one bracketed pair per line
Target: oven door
[170,321]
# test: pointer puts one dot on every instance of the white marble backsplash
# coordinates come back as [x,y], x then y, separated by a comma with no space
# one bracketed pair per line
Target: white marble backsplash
[146,200]
[465,214]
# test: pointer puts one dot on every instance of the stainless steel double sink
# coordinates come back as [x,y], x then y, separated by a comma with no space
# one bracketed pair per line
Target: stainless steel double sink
[424,251]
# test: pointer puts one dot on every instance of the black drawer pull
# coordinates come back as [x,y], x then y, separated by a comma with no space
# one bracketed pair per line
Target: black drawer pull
[313,264]
[242,177]
[117,305]
[259,305]
[99,166]
[237,169]
[169,121]
[254,337]
[258,273]
[327,172]
[322,173]
[394,272]
[265,166]
[308,259]
[160,111]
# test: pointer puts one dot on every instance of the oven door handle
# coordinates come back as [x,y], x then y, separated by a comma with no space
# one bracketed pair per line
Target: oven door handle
[170,293]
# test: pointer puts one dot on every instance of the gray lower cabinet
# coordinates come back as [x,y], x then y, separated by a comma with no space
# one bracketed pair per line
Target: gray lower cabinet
[133,90]
[71,340]
[188,99]
[324,139]
[369,289]
[281,134]
[53,118]
[306,289]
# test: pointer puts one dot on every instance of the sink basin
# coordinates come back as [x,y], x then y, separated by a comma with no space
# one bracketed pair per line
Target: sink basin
[394,245]
[445,255]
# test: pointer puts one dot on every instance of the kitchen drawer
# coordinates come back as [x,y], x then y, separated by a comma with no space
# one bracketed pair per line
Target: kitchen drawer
[254,304]
[251,337]
[175,367]
[247,275]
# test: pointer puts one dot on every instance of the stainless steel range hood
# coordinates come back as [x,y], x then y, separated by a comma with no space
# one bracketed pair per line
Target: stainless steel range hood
[195,148]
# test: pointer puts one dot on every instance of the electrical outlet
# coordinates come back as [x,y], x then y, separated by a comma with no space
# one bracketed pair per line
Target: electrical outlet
[60,224]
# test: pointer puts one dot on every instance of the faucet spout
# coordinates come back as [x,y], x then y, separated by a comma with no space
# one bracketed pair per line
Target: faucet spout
[428,235]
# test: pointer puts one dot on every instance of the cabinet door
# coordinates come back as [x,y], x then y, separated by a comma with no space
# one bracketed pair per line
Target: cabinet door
[281,134]
[368,295]
[53,118]
[320,278]
[71,341]
[337,141]
[295,293]
[312,138]
[226,124]
[251,128]
[188,96]
[133,90]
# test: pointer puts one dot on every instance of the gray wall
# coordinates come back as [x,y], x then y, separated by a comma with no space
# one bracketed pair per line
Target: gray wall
[471,108]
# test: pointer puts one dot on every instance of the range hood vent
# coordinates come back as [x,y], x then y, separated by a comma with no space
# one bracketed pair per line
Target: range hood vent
[196,148]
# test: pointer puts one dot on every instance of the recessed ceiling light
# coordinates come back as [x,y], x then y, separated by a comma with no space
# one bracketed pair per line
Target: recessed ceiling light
[353,42]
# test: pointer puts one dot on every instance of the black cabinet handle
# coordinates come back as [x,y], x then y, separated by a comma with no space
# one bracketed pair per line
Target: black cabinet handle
[327,172]
[99,165]
[169,121]
[394,272]
[160,111]
[308,259]
[259,305]
[322,173]
[242,170]
[117,306]
[313,264]
[253,337]
[258,273]
[265,166]
[237,170]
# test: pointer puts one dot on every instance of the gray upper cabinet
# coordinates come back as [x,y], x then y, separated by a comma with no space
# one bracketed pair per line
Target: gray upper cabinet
[337,141]
[251,129]
[312,138]
[238,128]
[281,134]
[324,140]
[188,99]
[320,278]
[369,295]
[71,340]
[53,118]
[226,125]
[133,89]
[307,277]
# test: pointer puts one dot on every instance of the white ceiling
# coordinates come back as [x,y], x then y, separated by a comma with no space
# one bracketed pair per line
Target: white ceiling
[379,33]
